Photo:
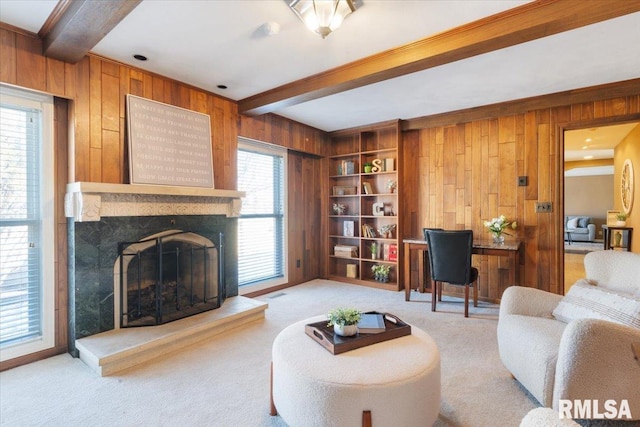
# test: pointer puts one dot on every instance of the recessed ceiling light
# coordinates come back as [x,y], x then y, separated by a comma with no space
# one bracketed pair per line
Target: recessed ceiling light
[584,147]
[588,157]
[588,140]
[221,86]
[140,57]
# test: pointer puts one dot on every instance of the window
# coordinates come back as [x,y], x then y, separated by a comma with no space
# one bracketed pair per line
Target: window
[262,222]
[26,223]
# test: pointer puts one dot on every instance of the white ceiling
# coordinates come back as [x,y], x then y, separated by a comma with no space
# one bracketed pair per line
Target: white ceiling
[209,43]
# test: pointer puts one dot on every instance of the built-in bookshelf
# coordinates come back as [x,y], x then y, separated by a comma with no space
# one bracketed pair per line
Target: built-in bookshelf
[365,202]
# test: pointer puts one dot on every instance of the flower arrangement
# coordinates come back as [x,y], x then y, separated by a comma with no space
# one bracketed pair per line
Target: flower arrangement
[392,185]
[344,316]
[497,227]
[381,272]
[386,230]
[621,216]
[339,208]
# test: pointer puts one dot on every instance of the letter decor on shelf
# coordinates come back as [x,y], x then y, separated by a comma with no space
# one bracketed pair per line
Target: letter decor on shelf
[377,165]
[168,145]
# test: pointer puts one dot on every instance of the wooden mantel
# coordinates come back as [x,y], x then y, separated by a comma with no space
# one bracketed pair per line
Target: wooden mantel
[90,201]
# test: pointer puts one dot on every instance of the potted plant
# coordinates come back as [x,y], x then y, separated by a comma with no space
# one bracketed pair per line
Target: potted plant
[392,185]
[374,250]
[339,208]
[381,272]
[367,167]
[344,321]
[622,219]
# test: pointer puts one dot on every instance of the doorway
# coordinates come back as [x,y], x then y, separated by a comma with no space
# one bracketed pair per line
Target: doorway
[589,188]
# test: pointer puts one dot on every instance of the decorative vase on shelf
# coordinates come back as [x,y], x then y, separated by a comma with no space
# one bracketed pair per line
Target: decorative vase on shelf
[621,223]
[618,238]
[498,237]
[345,330]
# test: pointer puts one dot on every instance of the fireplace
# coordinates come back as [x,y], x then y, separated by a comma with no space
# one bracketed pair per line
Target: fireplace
[166,277]
[108,223]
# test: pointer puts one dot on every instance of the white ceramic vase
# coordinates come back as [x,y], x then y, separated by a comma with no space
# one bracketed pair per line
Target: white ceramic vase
[346,330]
[621,223]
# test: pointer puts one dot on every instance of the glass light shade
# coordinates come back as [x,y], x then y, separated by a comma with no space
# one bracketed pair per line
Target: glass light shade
[322,16]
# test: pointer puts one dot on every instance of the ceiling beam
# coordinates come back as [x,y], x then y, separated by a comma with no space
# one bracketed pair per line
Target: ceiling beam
[76,26]
[528,22]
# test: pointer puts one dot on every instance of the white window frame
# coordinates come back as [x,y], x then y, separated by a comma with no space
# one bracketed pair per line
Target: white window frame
[18,97]
[271,149]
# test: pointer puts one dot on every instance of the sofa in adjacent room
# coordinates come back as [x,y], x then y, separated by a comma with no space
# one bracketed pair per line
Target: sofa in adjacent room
[577,346]
[580,227]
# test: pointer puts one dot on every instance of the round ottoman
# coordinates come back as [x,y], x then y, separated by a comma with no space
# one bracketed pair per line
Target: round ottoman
[397,380]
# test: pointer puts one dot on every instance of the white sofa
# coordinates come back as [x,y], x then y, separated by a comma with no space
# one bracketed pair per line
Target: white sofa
[584,358]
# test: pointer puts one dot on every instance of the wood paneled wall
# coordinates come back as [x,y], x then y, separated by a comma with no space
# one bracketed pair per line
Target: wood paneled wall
[466,173]
[90,121]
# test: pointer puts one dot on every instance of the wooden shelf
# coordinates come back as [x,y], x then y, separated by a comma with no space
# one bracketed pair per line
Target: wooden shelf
[379,145]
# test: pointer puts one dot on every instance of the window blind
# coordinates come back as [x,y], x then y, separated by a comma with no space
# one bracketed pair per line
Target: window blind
[261,176]
[20,223]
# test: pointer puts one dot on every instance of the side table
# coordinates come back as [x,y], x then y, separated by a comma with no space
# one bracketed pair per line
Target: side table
[611,241]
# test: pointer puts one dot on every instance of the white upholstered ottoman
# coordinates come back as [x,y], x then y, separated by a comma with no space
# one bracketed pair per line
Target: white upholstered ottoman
[398,381]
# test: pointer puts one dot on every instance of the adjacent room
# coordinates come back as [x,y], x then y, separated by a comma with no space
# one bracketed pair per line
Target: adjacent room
[319,213]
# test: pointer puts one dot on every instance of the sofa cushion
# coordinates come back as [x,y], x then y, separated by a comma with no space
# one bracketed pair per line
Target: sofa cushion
[583,221]
[572,223]
[586,301]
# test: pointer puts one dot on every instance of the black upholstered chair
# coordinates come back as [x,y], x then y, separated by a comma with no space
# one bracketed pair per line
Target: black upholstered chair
[450,261]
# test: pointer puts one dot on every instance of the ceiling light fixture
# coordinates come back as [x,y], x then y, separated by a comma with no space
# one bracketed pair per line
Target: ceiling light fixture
[322,16]
[588,157]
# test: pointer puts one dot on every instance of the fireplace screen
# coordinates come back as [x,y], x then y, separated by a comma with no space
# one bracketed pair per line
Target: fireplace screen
[169,276]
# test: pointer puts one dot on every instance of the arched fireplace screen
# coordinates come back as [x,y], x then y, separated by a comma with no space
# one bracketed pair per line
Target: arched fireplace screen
[169,276]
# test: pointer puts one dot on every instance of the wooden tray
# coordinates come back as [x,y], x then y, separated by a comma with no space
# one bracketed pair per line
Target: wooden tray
[336,344]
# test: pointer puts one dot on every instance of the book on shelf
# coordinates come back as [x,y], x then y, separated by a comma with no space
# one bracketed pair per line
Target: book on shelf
[366,187]
[371,323]
[346,167]
[368,231]
[393,252]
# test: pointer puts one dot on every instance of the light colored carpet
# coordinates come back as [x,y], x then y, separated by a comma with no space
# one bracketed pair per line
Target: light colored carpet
[225,382]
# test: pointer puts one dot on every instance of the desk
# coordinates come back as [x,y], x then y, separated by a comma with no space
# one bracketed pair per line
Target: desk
[510,248]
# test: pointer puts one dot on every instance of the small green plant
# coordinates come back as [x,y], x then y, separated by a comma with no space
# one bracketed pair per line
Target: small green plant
[381,272]
[374,248]
[344,316]
[621,216]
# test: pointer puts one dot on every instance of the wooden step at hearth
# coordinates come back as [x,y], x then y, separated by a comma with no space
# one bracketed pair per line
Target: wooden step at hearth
[113,351]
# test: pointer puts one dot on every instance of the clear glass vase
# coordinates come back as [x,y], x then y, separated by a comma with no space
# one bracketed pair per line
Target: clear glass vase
[498,237]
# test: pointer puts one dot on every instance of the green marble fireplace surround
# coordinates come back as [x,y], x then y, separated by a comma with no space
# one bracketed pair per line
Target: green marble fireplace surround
[101,216]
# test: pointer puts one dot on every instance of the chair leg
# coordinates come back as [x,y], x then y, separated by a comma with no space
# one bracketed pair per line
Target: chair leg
[475,293]
[434,294]
[466,300]
[440,292]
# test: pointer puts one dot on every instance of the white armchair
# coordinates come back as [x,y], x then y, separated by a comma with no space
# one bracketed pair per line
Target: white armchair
[587,354]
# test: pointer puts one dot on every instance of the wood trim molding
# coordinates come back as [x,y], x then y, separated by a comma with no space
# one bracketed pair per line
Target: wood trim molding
[54,18]
[528,22]
[519,106]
